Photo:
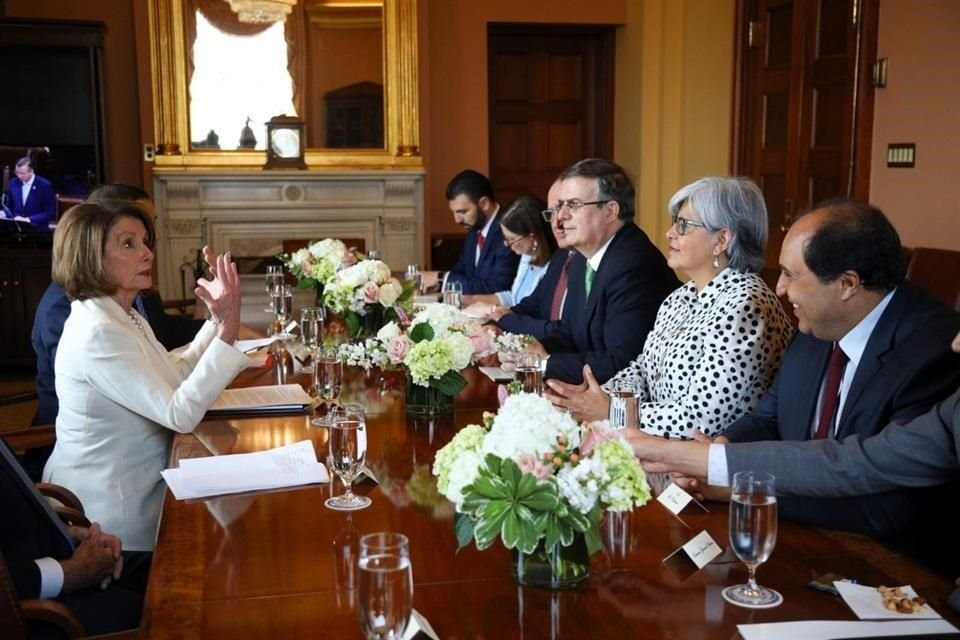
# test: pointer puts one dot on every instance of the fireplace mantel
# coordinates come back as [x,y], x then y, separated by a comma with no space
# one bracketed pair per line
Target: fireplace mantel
[251,213]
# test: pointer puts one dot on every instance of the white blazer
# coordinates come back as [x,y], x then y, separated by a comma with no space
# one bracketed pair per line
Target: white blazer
[120,393]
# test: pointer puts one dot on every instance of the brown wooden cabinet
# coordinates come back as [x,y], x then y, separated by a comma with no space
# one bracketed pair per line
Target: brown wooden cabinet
[24,276]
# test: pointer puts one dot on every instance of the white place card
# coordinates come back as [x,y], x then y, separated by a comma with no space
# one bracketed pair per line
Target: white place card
[674,499]
[702,549]
[417,624]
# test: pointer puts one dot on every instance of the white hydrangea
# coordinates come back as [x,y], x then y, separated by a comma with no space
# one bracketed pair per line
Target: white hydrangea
[330,248]
[441,317]
[580,485]
[462,348]
[529,424]
[390,291]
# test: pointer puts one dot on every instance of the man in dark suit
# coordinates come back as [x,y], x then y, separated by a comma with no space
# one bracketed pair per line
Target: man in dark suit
[486,264]
[30,198]
[82,567]
[624,276]
[539,313]
[873,349]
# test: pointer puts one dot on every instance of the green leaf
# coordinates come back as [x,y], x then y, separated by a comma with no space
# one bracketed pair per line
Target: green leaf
[489,487]
[421,332]
[495,510]
[473,502]
[463,527]
[511,530]
[511,475]
[529,537]
[527,485]
[552,533]
[545,498]
[451,383]
[592,537]
[353,322]
[486,530]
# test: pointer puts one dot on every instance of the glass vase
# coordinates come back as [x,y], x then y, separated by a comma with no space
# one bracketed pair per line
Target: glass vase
[427,401]
[371,321]
[556,568]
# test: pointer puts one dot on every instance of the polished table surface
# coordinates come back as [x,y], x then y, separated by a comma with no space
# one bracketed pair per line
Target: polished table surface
[280,565]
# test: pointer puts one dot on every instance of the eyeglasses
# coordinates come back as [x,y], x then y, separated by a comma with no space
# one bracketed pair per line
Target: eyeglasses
[683,225]
[509,244]
[573,205]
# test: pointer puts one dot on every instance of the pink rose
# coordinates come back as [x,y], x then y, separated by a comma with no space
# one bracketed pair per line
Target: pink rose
[530,464]
[371,293]
[349,259]
[481,342]
[397,349]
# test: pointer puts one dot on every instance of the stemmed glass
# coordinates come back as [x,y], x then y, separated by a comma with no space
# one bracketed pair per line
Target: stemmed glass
[281,298]
[753,534]
[328,380]
[273,278]
[386,585]
[348,452]
[311,332]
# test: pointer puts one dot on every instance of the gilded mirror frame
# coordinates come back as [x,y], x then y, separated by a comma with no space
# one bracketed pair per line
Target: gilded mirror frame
[171,110]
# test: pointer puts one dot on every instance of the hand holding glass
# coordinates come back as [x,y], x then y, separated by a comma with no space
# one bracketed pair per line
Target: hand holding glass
[753,535]
[348,452]
[386,585]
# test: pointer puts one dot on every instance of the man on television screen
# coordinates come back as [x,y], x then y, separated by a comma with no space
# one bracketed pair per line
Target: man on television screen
[29,198]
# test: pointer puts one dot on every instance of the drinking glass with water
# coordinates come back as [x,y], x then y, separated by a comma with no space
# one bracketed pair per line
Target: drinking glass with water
[386,585]
[348,453]
[413,275]
[753,535]
[453,294]
[273,278]
[530,372]
[281,297]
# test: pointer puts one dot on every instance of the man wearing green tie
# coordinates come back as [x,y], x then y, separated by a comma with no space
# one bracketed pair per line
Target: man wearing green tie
[625,277]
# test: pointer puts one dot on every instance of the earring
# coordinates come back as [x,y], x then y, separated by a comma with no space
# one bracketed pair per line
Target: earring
[535,245]
[716,261]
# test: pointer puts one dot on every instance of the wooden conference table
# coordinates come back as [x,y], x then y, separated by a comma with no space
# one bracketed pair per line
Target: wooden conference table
[280,565]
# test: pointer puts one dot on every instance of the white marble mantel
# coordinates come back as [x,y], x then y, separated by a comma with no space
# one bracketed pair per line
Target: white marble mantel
[251,213]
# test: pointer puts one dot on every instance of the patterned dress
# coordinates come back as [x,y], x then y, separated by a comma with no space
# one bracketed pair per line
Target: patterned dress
[709,357]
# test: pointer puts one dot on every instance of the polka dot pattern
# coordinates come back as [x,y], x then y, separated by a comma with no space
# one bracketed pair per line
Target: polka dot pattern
[709,357]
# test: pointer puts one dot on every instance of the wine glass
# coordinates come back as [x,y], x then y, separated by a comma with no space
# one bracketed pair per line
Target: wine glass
[311,332]
[386,585]
[328,380]
[273,278]
[281,297]
[753,534]
[348,452]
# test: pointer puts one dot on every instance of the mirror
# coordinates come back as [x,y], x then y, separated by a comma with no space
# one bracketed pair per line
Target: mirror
[347,68]
[241,74]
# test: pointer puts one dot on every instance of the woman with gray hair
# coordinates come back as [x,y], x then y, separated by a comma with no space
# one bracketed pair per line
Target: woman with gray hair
[717,341]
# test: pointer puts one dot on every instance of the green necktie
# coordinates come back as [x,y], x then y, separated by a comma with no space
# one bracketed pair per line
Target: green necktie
[588,279]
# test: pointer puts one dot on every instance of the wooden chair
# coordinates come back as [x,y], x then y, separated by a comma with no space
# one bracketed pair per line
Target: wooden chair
[938,272]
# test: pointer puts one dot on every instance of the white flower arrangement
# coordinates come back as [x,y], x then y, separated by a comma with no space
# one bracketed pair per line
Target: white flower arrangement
[317,263]
[366,283]
[434,346]
[524,466]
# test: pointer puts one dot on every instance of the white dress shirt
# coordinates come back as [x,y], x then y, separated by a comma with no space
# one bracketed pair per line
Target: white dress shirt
[25,189]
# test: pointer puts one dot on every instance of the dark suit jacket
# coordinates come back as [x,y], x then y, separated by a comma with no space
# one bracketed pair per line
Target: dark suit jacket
[26,533]
[497,266]
[41,206]
[532,314]
[608,329]
[905,369]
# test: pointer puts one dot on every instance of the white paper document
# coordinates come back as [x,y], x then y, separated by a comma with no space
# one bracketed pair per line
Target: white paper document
[867,603]
[246,346]
[831,629]
[497,374]
[284,397]
[288,466]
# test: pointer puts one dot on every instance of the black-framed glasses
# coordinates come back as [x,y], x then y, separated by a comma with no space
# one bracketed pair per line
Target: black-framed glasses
[683,225]
[573,205]
[509,243]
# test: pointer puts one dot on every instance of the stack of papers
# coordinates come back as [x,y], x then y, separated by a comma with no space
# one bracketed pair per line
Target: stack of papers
[288,466]
[285,398]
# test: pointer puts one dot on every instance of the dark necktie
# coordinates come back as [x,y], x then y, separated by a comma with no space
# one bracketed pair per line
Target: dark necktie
[588,280]
[18,471]
[831,392]
[556,306]
[480,240]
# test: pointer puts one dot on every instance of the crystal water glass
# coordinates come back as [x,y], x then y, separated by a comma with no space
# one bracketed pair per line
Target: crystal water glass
[348,453]
[311,331]
[529,372]
[273,278]
[753,535]
[328,381]
[413,274]
[453,294]
[281,297]
[386,585]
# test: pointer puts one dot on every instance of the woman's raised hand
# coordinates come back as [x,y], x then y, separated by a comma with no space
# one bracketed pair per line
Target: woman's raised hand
[222,296]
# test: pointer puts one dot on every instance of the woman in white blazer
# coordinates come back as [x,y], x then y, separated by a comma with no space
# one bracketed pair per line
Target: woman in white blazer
[121,393]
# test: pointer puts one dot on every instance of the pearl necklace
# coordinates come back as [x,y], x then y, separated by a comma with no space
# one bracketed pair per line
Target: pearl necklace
[137,321]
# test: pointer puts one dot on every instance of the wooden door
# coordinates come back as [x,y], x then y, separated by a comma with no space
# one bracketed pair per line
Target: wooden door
[551,103]
[806,104]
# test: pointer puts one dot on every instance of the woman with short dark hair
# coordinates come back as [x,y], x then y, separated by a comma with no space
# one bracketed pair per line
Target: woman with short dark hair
[121,393]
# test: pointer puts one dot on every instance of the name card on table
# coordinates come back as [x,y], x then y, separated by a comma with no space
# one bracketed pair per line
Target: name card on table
[683,505]
[692,556]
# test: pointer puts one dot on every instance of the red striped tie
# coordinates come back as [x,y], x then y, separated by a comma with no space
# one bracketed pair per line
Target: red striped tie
[831,393]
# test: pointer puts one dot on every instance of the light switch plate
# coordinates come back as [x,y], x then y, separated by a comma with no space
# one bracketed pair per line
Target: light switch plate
[148,153]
